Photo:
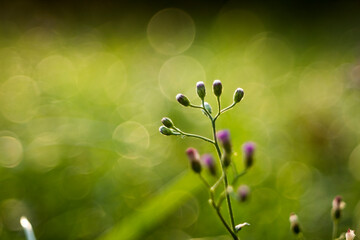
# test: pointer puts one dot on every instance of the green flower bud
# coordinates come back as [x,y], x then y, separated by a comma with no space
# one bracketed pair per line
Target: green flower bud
[200,89]
[238,95]
[183,100]
[207,107]
[166,131]
[217,88]
[167,122]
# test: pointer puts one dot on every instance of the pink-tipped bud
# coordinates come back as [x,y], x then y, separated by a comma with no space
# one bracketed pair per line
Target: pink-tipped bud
[183,100]
[238,95]
[194,158]
[200,89]
[217,88]
[249,149]
[337,206]
[224,139]
[243,193]
[350,235]
[294,223]
[209,162]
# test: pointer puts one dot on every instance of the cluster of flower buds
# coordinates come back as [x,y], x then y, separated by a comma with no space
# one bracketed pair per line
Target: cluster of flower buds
[294,223]
[337,206]
[220,139]
[196,162]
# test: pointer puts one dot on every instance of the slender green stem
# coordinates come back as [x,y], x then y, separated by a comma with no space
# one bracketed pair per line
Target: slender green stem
[219,108]
[238,176]
[225,109]
[194,135]
[225,177]
[204,181]
[217,183]
[217,209]
[335,227]
[224,222]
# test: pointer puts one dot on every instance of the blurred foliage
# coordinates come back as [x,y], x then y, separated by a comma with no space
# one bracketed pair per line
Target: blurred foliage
[83,88]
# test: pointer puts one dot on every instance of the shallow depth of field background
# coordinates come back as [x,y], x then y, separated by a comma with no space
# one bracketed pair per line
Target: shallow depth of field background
[83,87]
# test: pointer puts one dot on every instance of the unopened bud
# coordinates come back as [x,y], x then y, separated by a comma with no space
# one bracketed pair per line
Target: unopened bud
[207,107]
[243,193]
[350,235]
[217,88]
[249,149]
[194,158]
[200,89]
[183,100]
[226,159]
[167,122]
[209,162]
[224,138]
[337,206]
[166,131]
[238,95]
[294,223]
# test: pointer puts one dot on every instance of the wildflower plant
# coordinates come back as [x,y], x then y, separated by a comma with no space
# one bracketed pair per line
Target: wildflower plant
[222,143]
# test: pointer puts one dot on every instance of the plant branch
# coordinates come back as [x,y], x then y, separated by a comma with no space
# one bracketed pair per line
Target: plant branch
[225,177]
[194,136]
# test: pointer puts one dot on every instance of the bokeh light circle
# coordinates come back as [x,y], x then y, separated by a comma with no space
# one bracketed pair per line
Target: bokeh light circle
[171,31]
[115,80]
[131,139]
[57,76]
[19,98]
[11,151]
[180,74]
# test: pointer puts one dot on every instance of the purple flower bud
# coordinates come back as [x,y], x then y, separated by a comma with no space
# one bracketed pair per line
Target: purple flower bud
[200,89]
[238,95]
[194,158]
[167,122]
[183,100]
[243,193]
[224,138]
[217,88]
[337,205]
[249,149]
[209,162]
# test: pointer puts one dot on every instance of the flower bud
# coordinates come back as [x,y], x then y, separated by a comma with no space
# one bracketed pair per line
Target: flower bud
[166,131]
[224,138]
[238,95]
[294,223]
[350,235]
[209,162]
[243,193]
[194,158]
[207,107]
[200,89]
[337,205]
[167,122]
[183,100]
[226,159]
[249,149]
[217,88]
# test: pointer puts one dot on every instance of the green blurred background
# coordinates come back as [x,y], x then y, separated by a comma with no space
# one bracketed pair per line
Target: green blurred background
[83,86]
